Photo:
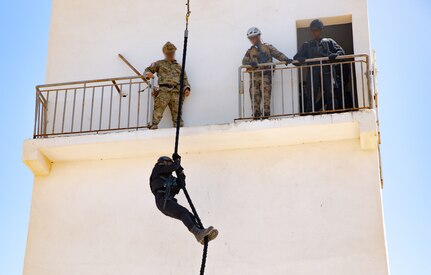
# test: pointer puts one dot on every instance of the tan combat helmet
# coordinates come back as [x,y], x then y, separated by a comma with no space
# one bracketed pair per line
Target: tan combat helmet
[169,48]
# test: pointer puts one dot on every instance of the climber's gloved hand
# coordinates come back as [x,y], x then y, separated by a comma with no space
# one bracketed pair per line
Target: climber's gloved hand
[176,157]
[333,56]
[288,61]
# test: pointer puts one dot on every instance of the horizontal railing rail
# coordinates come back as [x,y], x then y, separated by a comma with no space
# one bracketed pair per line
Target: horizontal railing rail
[92,106]
[316,86]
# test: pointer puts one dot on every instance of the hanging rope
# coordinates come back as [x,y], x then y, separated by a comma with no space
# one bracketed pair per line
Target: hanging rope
[177,134]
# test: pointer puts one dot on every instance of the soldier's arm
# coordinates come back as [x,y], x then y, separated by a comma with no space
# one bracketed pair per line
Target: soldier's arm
[277,54]
[301,55]
[335,48]
[247,58]
[153,68]
[186,82]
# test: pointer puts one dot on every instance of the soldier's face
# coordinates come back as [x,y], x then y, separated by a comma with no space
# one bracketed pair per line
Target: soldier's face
[254,40]
[315,34]
[170,56]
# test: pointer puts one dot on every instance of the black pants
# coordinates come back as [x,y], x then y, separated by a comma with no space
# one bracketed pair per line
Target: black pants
[315,91]
[176,211]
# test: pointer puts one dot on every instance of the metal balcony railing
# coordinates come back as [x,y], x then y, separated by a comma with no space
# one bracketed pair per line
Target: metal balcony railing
[116,104]
[315,87]
[92,106]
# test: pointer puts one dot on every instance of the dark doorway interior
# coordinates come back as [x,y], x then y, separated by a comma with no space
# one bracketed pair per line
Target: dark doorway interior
[343,35]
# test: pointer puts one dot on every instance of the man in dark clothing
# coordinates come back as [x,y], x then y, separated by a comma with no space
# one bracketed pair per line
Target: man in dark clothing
[165,187]
[315,48]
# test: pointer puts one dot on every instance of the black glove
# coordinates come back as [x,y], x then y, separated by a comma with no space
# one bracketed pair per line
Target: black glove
[181,179]
[333,56]
[301,59]
[175,157]
[288,61]
[254,65]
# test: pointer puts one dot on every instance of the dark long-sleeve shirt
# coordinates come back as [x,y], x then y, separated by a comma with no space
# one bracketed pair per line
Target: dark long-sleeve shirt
[160,173]
[323,47]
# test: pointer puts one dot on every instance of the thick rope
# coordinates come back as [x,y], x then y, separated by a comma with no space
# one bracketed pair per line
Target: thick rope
[177,135]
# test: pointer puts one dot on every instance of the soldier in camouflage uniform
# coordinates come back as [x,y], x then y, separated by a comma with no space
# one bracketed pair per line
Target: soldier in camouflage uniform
[168,72]
[260,53]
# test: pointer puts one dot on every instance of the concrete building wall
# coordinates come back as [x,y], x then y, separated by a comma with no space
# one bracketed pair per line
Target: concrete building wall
[86,37]
[302,209]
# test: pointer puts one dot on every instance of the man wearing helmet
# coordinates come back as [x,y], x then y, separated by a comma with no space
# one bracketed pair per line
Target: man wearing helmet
[168,72]
[260,53]
[315,48]
[165,187]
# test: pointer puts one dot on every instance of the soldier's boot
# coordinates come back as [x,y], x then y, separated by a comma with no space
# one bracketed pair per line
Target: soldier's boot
[257,115]
[154,127]
[267,114]
[211,236]
[200,234]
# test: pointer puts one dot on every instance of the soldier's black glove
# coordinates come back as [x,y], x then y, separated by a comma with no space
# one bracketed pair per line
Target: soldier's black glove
[288,61]
[301,59]
[175,157]
[254,65]
[181,179]
[333,56]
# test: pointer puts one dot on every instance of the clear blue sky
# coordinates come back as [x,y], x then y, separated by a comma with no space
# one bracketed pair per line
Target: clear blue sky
[400,32]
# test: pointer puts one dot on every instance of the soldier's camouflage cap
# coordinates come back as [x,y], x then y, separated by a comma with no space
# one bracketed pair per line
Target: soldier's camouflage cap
[169,48]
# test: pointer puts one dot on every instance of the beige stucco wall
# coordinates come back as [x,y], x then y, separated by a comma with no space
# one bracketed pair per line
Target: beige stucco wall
[302,209]
[87,35]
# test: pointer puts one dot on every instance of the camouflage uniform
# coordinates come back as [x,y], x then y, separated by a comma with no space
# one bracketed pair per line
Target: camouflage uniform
[261,53]
[168,73]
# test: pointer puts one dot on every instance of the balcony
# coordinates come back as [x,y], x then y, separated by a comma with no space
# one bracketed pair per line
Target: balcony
[78,112]
[117,104]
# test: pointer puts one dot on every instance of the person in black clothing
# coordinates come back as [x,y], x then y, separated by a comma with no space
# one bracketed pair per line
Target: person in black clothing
[165,187]
[315,48]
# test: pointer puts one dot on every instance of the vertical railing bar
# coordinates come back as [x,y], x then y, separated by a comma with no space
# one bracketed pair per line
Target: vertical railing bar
[40,116]
[362,81]
[271,96]
[370,91]
[45,115]
[64,110]
[130,99]
[312,88]
[92,109]
[36,130]
[321,85]
[139,103]
[150,92]
[262,96]
[282,92]
[55,112]
[332,86]
[243,94]
[352,78]
[342,87]
[110,107]
[83,106]
[119,108]
[291,86]
[253,90]
[101,107]
[73,110]
[240,89]
[302,88]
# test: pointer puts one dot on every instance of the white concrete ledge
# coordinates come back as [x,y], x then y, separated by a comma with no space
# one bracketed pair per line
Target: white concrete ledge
[38,154]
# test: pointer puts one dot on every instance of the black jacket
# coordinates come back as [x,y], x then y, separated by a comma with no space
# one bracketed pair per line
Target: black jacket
[322,47]
[161,173]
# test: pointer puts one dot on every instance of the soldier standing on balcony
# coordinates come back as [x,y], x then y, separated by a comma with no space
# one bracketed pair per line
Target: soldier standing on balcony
[315,48]
[168,72]
[261,53]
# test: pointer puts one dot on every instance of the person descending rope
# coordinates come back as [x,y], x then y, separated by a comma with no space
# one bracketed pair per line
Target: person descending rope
[165,187]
